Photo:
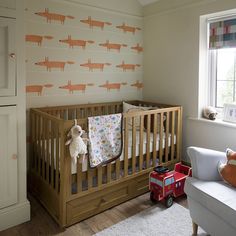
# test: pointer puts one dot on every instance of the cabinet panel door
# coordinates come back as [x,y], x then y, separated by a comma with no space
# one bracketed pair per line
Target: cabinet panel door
[7,57]
[8,156]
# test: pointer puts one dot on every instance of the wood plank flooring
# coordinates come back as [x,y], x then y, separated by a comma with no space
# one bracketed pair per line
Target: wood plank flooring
[42,224]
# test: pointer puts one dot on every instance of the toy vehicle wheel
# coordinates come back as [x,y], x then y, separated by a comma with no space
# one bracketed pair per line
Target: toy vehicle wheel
[169,201]
[152,197]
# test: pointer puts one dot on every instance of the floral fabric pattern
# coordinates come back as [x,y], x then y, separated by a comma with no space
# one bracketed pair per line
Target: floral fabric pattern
[105,138]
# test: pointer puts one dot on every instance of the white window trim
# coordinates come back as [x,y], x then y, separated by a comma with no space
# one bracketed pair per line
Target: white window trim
[204,97]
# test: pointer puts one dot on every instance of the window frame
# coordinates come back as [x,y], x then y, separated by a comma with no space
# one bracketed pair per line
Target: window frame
[212,78]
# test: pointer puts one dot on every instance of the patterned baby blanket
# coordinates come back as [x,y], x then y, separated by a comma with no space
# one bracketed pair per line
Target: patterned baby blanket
[105,138]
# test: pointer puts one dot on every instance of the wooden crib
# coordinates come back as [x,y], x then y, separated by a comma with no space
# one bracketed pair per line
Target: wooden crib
[71,196]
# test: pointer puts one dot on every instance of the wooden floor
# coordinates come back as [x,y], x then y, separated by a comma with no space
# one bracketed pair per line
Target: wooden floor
[42,224]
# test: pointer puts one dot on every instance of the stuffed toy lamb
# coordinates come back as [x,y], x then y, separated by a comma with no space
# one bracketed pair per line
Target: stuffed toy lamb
[77,143]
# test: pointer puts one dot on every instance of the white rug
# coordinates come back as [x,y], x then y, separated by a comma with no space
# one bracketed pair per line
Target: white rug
[155,221]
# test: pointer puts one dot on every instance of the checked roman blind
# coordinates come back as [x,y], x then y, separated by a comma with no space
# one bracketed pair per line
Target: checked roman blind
[222,34]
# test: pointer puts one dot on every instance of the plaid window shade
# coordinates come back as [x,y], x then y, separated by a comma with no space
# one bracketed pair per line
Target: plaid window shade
[223,34]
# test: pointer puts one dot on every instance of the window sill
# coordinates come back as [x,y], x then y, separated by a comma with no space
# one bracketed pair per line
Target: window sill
[217,122]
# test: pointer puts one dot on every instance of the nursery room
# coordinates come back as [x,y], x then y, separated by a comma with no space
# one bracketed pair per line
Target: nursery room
[117,117]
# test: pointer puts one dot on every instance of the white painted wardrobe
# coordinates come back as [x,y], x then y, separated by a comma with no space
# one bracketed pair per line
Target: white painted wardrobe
[14,206]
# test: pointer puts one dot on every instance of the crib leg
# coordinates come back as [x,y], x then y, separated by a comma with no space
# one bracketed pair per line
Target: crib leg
[195,228]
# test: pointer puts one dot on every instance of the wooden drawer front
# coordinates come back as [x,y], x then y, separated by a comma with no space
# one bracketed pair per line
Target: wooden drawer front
[143,184]
[93,203]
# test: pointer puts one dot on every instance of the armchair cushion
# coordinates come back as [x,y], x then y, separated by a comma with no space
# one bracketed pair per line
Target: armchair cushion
[216,196]
[205,163]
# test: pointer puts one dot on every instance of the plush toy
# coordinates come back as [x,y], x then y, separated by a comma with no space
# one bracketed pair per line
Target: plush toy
[228,170]
[210,113]
[76,142]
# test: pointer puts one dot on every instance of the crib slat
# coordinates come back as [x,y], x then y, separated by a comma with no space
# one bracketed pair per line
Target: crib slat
[154,151]
[47,148]
[57,157]
[117,168]
[172,135]
[89,176]
[126,139]
[38,144]
[148,142]
[99,175]
[167,137]
[108,172]
[32,144]
[133,145]
[141,143]
[161,140]
[79,176]
[43,148]
[52,154]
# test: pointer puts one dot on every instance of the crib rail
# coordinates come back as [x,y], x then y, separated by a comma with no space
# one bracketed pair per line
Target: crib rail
[151,137]
[84,111]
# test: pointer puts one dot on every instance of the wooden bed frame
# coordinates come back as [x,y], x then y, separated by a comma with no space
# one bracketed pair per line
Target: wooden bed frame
[70,198]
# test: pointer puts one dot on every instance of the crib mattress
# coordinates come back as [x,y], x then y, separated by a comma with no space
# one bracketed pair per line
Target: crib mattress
[85,161]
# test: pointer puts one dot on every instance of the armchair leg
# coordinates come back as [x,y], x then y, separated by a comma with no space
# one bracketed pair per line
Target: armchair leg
[195,228]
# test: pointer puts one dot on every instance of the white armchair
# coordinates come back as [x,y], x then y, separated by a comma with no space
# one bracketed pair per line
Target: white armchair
[212,203]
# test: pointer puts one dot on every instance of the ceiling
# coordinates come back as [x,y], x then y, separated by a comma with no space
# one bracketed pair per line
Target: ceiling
[146,2]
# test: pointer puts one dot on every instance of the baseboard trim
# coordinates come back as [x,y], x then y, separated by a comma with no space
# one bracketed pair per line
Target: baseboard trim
[14,215]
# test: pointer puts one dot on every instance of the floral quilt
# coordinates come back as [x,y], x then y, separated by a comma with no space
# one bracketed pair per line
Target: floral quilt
[105,138]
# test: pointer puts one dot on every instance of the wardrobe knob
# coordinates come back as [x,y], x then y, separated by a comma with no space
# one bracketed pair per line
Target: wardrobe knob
[12,55]
[14,157]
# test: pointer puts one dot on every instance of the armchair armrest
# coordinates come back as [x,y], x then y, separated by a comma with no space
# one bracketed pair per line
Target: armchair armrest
[205,163]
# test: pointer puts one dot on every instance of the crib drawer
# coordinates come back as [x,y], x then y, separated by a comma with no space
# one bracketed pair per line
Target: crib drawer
[93,203]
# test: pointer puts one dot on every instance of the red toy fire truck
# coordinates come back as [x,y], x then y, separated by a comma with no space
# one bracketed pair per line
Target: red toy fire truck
[165,184]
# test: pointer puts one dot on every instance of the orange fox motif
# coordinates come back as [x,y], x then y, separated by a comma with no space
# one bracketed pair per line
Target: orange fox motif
[126,67]
[75,42]
[110,86]
[95,23]
[36,38]
[53,16]
[75,87]
[37,88]
[53,64]
[138,85]
[93,66]
[114,46]
[127,28]
[138,48]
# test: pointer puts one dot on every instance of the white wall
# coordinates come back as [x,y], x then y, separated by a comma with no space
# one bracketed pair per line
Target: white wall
[171,65]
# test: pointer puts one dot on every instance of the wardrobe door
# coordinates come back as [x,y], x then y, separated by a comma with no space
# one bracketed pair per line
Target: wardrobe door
[7,57]
[8,156]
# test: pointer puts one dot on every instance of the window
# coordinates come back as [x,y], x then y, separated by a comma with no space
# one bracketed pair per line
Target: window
[222,62]
[223,76]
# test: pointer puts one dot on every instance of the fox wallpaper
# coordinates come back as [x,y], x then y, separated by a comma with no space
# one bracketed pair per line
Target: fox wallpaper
[80,54]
